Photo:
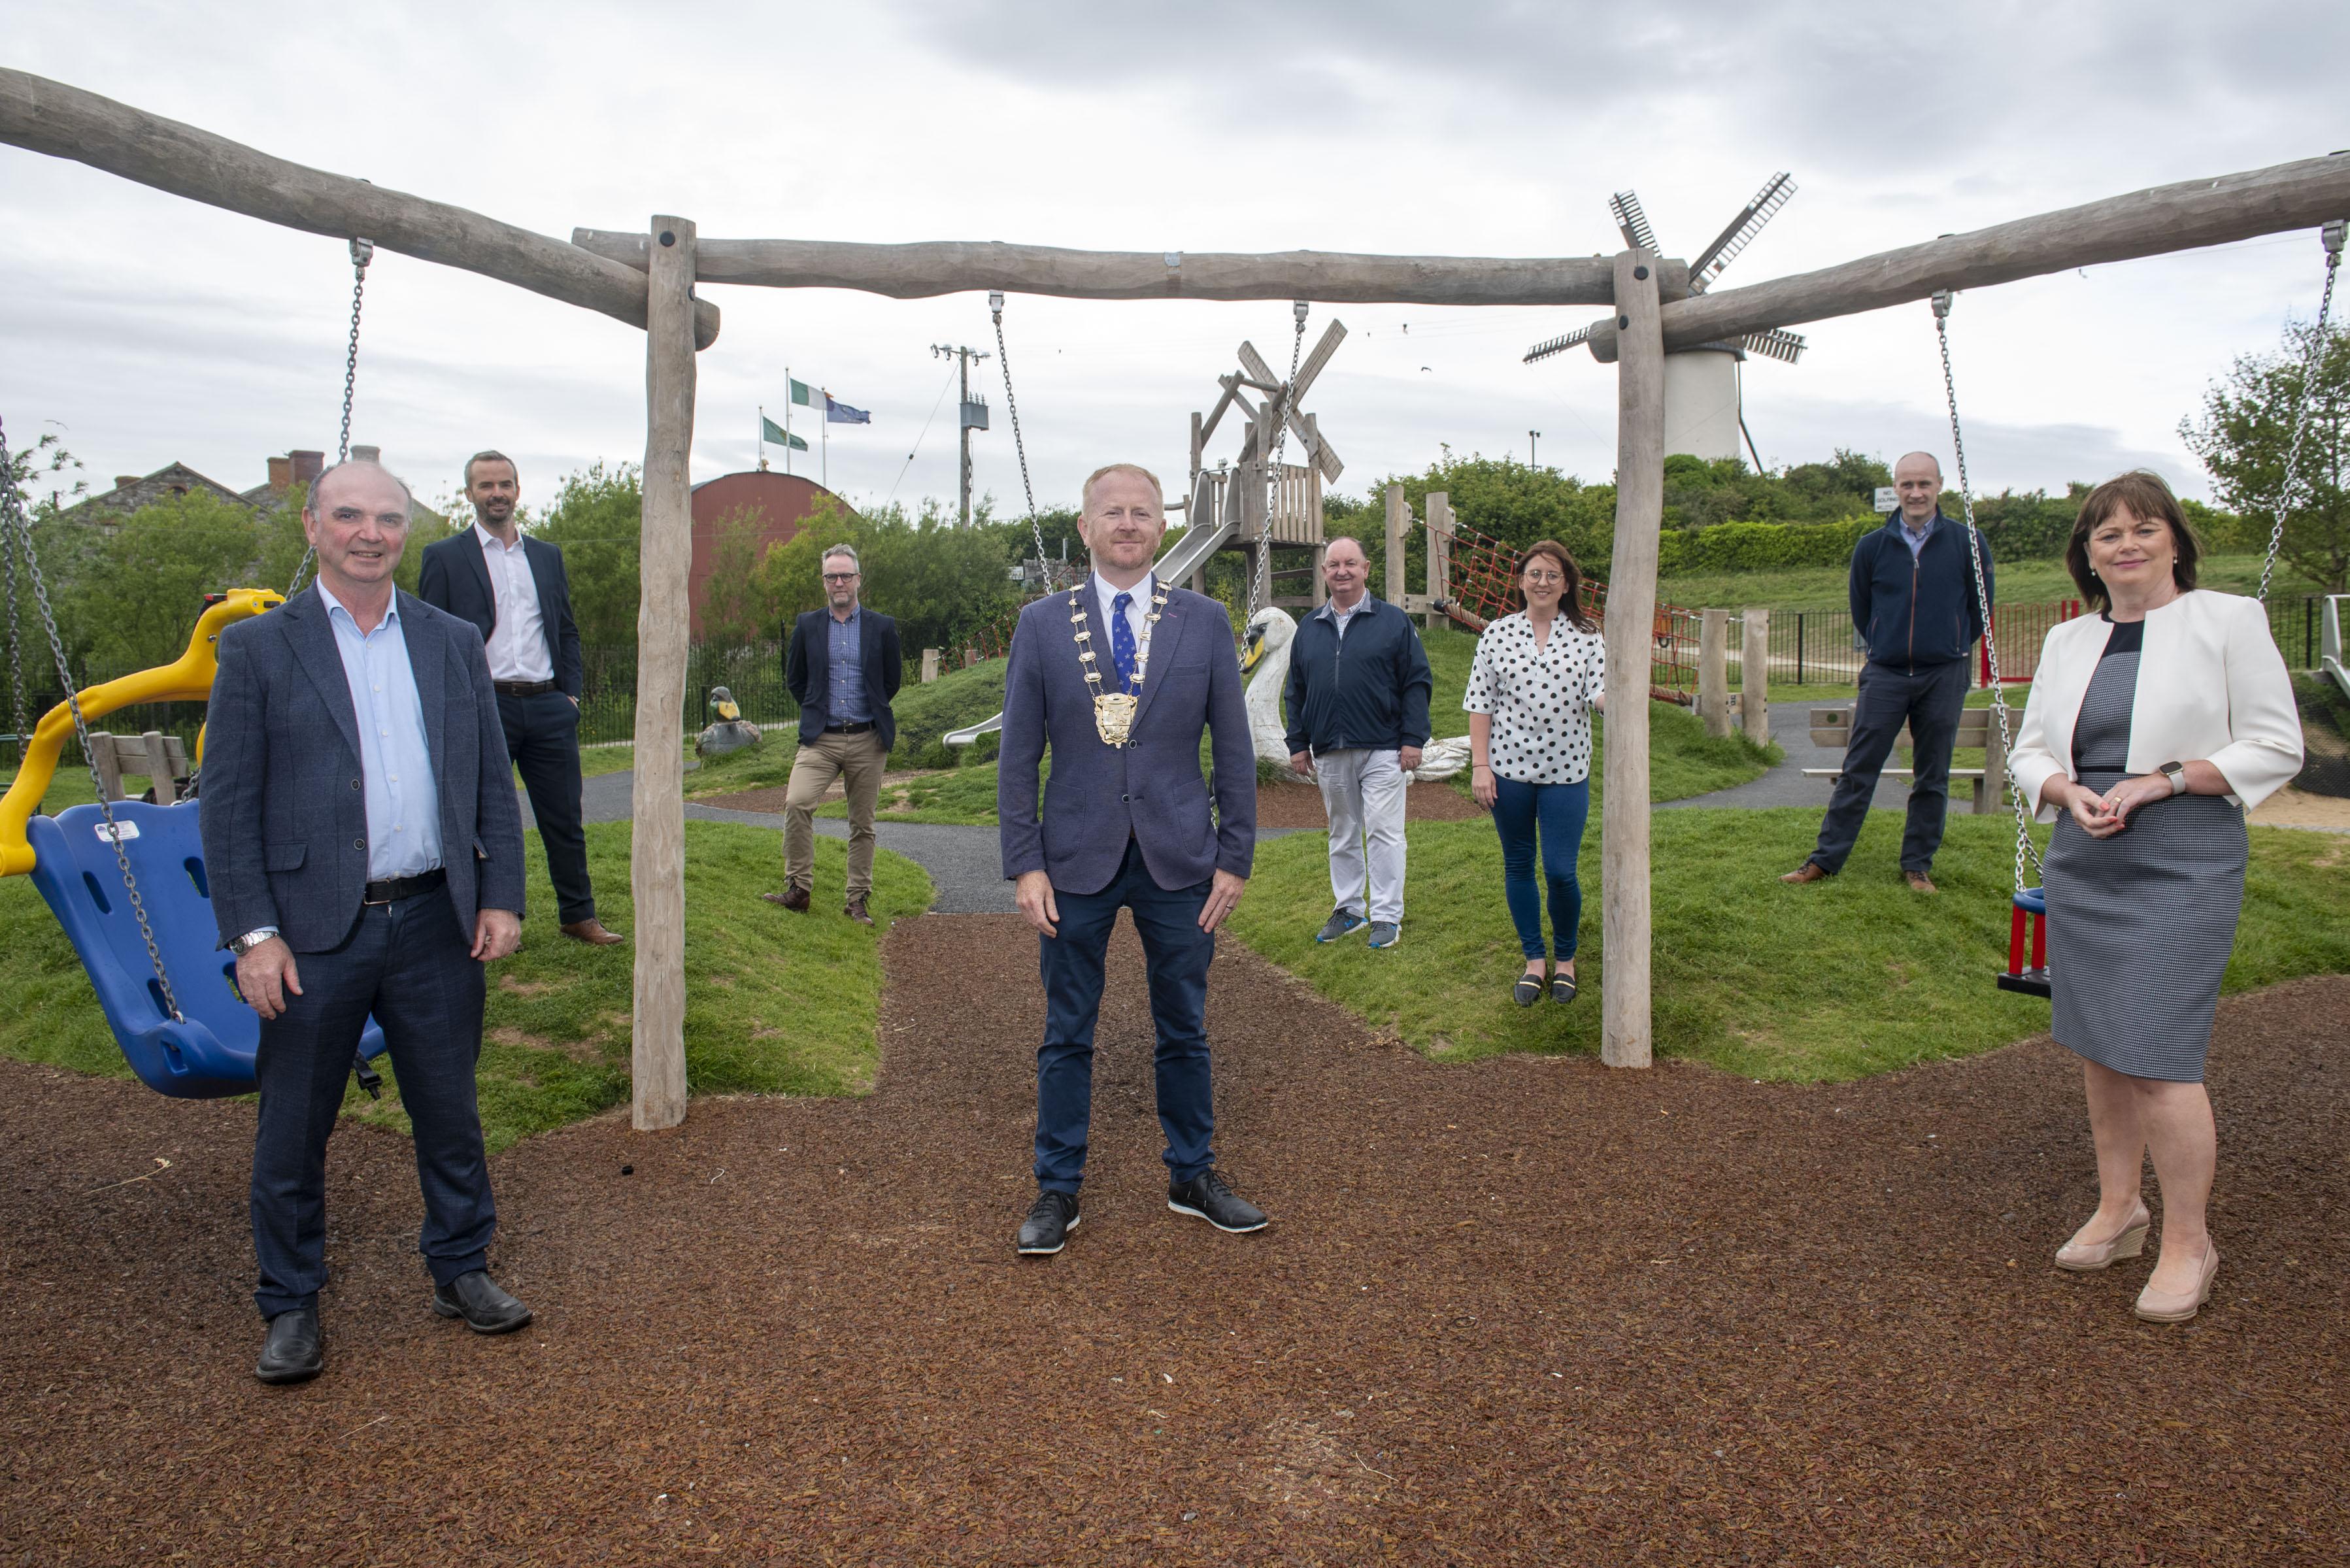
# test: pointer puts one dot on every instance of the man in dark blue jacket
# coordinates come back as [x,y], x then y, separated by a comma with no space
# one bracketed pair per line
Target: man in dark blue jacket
[843,668]
[1913,598]
[1356,701]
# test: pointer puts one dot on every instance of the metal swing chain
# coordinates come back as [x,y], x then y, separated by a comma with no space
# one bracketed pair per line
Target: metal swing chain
[2023,844]
[23,711]
[21,529]
[2332,236]
[362,252]
[1004,363]
[1272,462]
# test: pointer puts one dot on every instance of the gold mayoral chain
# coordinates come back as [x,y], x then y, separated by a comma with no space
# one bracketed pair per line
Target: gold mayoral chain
[1113,711]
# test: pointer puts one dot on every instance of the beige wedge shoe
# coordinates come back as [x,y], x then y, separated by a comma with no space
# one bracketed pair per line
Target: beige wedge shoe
[2080,1258]
[2169,1306]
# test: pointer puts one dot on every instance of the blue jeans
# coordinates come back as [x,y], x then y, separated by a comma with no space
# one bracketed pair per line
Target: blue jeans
[1559,810]
[1929,700]
[1176,954]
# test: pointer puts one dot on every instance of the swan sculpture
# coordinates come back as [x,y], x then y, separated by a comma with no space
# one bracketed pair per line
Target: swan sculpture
[1265,664]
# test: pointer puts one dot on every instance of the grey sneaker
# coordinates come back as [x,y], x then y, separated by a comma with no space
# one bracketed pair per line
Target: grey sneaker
[1386,933]
[1339,924]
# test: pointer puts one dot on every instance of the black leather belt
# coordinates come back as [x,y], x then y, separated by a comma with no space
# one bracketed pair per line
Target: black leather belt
[849,729]
[394,890]
[522,687]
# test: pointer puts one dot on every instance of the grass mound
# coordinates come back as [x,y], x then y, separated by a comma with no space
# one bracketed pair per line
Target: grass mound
[1846,977]
[775,1002]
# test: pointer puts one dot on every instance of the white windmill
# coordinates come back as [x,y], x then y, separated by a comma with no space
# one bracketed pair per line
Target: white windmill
[1703,411]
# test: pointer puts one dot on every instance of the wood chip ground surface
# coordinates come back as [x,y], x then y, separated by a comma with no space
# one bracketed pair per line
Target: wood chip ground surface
[1523,1311]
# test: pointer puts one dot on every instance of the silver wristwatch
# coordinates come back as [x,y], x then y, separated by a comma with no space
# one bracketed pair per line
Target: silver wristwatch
[2177,773]
[252,939]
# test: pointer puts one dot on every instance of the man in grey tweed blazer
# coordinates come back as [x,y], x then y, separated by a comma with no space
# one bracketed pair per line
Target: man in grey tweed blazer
[364,849]
[1120,675]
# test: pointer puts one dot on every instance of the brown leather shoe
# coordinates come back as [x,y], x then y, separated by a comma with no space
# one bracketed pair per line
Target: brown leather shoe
[796,899]
[856,911]
[591,931]
[1809,871]
[1919,882]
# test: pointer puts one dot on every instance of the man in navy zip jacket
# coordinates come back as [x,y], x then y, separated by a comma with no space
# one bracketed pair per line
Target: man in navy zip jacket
[1913,598]
[1358,711]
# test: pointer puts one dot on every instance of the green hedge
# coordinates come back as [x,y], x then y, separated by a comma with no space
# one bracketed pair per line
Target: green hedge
[1760,546]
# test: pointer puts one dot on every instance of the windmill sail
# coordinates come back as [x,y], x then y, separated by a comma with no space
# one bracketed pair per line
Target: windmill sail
[1634,222]
[1558,344]
[1775,194]
[1774,343]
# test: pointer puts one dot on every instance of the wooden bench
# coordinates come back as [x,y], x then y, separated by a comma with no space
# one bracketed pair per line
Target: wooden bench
[161,758]
[1978,730]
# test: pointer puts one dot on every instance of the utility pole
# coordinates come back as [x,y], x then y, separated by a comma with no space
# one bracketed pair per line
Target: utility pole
[973,415]
[1531,437]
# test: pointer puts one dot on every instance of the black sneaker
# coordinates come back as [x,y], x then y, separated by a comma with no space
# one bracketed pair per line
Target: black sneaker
[1212,1197]
[1050,1220]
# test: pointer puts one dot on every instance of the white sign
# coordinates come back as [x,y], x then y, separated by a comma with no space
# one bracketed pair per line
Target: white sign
[1888,500]
[118,832]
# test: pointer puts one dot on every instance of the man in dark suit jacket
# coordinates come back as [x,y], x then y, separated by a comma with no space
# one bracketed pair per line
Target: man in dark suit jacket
[843,667]
[518,597]
[1120,675]
[364,851]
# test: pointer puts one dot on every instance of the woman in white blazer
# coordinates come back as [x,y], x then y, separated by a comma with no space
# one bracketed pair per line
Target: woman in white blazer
[2151,728]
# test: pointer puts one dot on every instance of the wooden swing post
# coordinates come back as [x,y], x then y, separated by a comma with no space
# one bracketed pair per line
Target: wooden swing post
[657,796]
[1627,1038]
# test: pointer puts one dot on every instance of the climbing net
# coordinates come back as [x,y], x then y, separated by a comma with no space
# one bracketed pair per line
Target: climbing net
[1481,582]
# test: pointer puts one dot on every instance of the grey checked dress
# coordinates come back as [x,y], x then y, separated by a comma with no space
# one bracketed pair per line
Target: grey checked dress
[2139,925]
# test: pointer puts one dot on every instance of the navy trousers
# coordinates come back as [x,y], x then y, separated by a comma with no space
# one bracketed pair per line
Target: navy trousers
[1177,953]
[543,739]
[409,965]
[1929,701]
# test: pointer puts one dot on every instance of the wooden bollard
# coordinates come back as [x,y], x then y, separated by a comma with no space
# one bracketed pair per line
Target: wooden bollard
[931,661]
[1754,674]
[1713,670]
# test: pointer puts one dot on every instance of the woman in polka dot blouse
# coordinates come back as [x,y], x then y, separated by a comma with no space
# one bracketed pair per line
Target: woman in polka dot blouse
[1537,677]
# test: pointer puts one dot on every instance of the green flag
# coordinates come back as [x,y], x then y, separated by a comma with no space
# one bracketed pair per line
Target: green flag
[805,396]
[774,434]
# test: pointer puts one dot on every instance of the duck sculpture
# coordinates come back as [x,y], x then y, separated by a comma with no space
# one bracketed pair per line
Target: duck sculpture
[732,732]
[1265,665]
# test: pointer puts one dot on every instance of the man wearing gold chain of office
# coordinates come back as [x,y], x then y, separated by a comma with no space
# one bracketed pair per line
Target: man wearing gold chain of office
[1120,675]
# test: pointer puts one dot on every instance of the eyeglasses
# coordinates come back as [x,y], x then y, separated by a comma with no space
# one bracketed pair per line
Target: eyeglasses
[1546,577]
[840,576]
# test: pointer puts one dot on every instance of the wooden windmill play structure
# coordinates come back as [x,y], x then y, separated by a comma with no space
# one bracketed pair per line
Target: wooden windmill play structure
[1704,402]
[649,279]
[1258,502]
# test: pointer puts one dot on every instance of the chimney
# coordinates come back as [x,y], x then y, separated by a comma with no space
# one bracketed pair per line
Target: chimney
[367,454]
[125,481]
[281,475]
[307,465]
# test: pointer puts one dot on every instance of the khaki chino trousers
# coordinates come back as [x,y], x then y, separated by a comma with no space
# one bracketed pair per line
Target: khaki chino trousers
[856,759]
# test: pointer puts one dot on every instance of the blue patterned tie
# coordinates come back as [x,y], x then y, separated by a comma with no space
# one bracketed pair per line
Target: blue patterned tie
[1121,640]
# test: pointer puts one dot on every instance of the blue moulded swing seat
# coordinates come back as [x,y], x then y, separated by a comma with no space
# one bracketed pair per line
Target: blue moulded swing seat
[208,1051]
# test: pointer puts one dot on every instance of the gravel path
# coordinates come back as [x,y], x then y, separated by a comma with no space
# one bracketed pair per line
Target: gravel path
[1520,1311]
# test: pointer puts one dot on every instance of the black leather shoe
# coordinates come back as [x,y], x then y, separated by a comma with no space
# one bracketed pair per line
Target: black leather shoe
[1210,1197]
[292,1353]
[476,1298]
[1050,1220]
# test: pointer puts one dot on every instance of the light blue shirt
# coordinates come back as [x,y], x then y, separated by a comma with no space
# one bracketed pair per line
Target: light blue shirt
[1916,537]
[403,800]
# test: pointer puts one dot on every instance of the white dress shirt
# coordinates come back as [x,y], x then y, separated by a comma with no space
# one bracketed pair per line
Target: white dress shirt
[1539,696]
[1138,621]
[403,802]
[517,644]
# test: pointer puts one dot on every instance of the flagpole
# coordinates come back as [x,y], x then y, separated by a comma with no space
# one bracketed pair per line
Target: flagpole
[762,448]
[787,419]
[824,442]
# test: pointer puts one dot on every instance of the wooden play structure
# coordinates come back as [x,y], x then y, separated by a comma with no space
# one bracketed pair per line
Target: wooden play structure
[649,279]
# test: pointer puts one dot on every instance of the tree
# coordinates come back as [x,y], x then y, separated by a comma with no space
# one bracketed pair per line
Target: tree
[942,582]
[2243,436]
[734,609]
[138,601]
[598,518]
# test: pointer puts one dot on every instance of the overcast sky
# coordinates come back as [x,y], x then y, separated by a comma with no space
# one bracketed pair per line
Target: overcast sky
[144,328]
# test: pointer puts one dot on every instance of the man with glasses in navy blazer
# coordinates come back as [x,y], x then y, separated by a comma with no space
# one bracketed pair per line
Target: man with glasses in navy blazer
[1120,675]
